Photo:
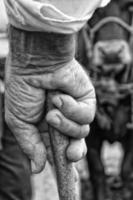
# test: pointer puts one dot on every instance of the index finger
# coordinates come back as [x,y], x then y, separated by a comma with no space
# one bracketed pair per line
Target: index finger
[80,111]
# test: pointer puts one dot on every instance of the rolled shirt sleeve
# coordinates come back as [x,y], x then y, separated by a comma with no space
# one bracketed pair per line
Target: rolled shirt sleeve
[104,3]
[51,15]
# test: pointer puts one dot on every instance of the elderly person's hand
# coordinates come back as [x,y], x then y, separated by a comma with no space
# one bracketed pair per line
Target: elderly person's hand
[38,64]
[74,109]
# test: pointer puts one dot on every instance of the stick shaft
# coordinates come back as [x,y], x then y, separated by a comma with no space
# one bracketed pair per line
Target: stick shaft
[64,168]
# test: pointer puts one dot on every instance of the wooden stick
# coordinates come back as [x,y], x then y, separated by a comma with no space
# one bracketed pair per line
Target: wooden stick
[64,168]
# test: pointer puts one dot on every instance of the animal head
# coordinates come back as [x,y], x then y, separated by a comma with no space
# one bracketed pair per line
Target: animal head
[111,33]
[108,41]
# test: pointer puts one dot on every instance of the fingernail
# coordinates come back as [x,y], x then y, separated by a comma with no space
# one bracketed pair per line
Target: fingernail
[55,121]
[57,102]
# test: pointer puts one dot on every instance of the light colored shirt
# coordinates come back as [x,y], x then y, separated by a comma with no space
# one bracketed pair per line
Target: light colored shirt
[60,16]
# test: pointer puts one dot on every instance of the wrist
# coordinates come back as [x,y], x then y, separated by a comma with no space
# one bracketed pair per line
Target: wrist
[44,48]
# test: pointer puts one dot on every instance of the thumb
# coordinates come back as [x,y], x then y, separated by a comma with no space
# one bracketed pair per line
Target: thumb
[29,139]
[38,158]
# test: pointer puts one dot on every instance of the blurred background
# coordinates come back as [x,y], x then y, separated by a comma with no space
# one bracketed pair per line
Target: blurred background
[105,67]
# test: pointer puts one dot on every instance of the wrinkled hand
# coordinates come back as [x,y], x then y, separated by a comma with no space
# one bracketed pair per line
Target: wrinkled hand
[74,109]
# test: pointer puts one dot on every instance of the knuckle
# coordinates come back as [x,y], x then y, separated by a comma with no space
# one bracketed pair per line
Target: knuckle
[92,93]
[92,113]
[62,79]
[66,79]
[84,131]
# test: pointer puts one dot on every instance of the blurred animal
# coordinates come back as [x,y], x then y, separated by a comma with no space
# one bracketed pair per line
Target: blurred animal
[105,48]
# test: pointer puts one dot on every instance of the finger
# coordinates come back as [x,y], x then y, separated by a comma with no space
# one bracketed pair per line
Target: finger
[82,112]
[76,150]
[70,128]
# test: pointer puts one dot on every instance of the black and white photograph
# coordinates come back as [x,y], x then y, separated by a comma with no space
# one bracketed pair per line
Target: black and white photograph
[66,99]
